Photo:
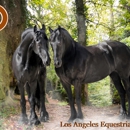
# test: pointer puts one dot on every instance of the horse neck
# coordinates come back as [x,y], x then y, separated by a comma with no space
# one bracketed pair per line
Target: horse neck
[23,48]
[69,49]
[31,58]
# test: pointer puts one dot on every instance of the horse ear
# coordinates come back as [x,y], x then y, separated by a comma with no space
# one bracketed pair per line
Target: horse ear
[50,30]
[43,27]
[35,28]
[59,27]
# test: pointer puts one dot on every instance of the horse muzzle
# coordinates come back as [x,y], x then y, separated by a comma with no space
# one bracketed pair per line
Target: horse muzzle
[57,63]
[48,61]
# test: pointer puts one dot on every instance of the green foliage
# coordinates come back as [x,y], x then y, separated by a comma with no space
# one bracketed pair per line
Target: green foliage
[99,93]
[126,41]
[1,123]
[63,103]
[6,111]
[123,19]
[51,75]
[115,95]
[98,20]
[125,35]
[51,13]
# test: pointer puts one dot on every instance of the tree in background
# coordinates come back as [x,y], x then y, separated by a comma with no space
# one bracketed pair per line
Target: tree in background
[81,21]
[82,34]
[124,20]
[9,39]
[114,93]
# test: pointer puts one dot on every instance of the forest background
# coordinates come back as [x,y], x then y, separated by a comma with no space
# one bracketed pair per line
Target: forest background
[104,20]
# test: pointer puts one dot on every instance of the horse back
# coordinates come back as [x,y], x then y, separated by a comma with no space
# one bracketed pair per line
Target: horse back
[121,54]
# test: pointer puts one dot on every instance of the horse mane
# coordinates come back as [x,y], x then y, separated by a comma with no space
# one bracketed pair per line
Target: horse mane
[24,36]
[65,33]
[25,32]
[67,37]
[69,43]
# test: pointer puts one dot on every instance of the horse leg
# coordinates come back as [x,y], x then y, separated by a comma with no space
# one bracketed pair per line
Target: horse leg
[127,87]
[44,116]
[33,116]
[77,87]
[117,82]
[71,101]
[24,118]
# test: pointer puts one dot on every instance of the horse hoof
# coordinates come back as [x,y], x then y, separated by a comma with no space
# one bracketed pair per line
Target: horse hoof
[122,116]
[71,120]
[44,118]
[37,122]
[127,117]
[23,120]
[78,120]
[34,122]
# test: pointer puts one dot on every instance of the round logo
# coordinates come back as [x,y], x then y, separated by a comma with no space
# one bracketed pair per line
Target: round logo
[3,17]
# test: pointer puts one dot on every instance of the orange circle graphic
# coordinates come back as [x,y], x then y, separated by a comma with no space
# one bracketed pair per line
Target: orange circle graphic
[4,17]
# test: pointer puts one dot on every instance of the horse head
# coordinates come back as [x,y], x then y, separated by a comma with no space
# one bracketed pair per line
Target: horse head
[41,45]
[58,47]
[61,43]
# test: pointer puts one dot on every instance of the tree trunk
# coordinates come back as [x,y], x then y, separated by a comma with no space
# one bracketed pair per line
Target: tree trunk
[80,17]
[9,40]
[113,91]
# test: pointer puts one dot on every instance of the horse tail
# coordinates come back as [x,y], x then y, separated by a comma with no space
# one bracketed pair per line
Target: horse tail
[37,97]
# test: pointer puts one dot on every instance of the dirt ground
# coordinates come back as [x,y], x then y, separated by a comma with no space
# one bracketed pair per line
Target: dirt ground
[105,118]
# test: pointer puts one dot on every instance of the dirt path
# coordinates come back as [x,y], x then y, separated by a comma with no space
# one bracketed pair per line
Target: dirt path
[105,118]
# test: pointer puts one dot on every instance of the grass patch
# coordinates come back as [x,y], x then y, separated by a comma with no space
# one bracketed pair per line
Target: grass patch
[8,110]
[63,103]
[1,123]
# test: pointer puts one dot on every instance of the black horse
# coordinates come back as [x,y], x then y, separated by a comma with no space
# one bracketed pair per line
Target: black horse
[77,65]
[29,66]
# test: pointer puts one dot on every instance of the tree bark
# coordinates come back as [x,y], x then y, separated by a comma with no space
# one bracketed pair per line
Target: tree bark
[113,91]
[9,40]
[81,18]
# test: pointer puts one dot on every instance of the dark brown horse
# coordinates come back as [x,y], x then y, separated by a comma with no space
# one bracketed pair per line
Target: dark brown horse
[29,66]
[77,65]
